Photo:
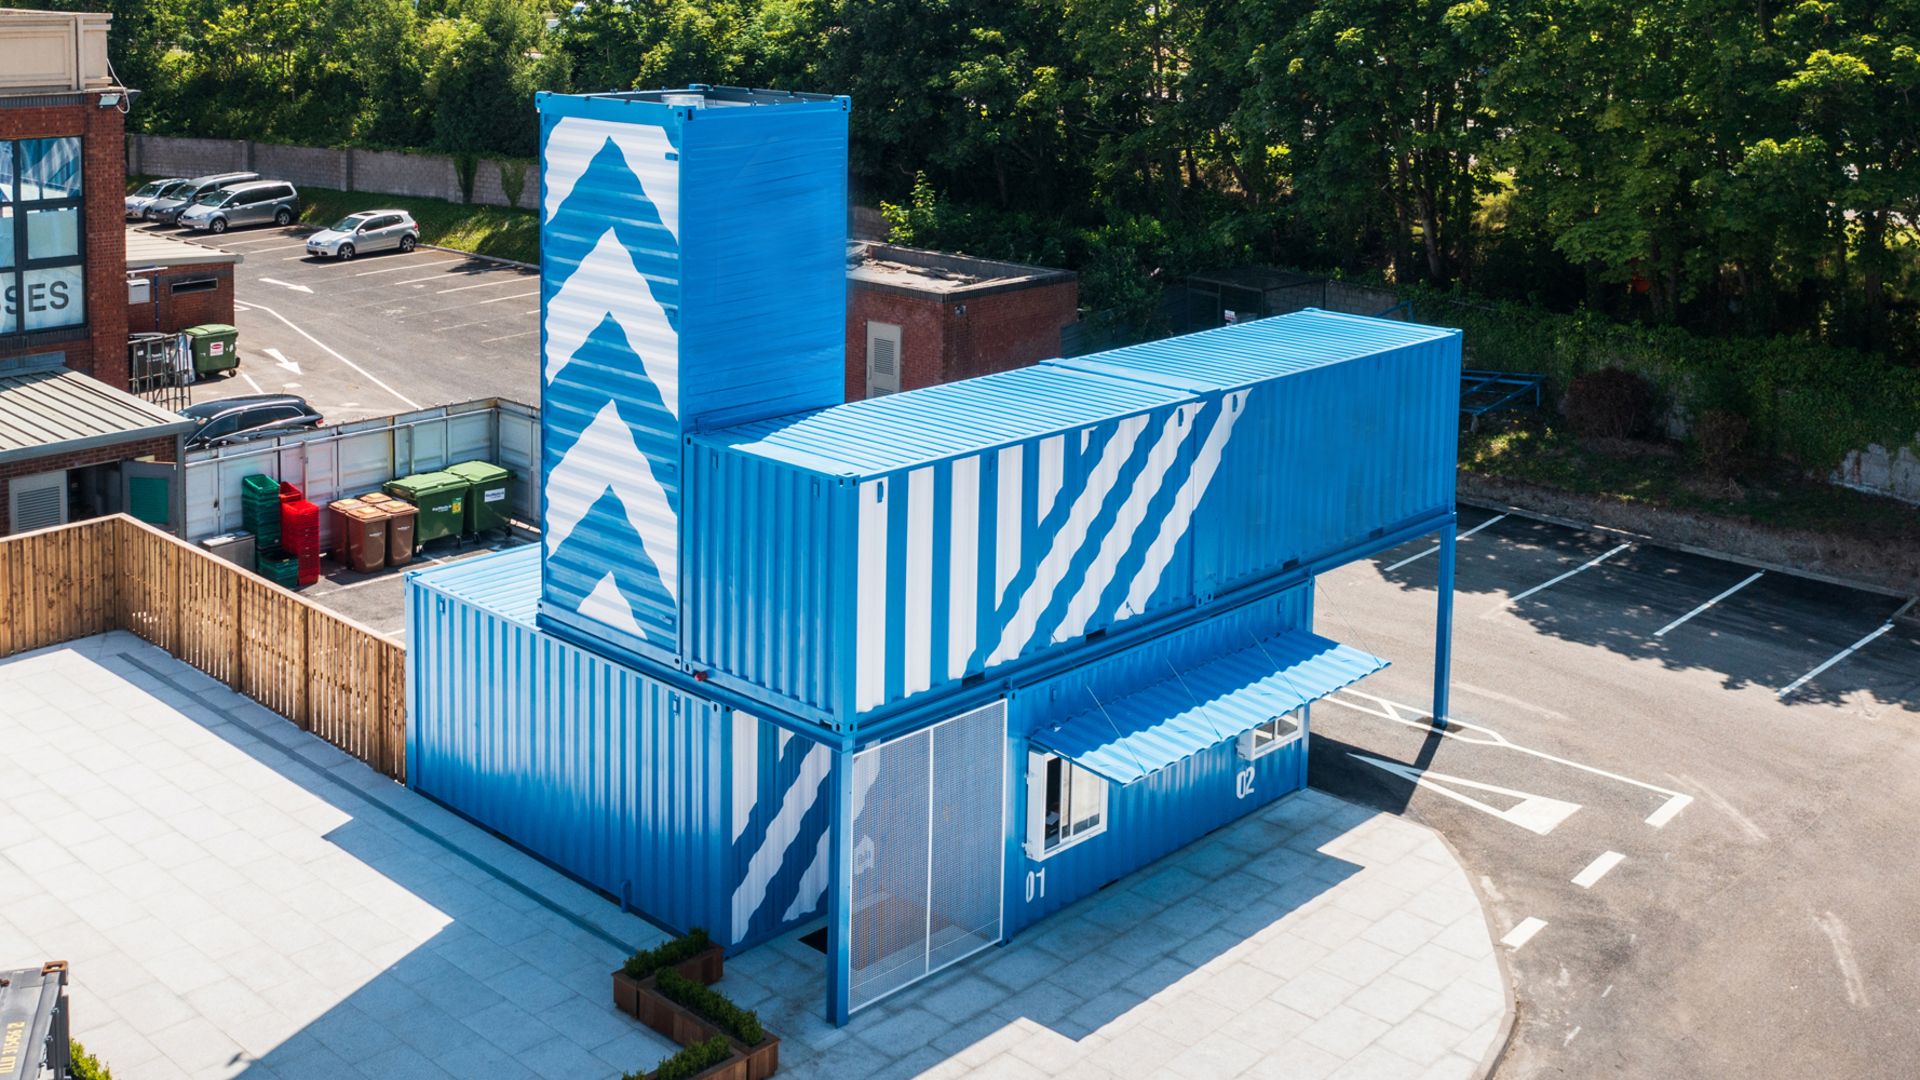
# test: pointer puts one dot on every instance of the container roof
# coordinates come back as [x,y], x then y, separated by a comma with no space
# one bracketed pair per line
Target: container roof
[50,409]
[902,430]
[506,583]
[1250,352]
[862,438]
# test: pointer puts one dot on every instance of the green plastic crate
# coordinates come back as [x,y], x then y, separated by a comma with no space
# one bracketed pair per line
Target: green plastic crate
[279,567]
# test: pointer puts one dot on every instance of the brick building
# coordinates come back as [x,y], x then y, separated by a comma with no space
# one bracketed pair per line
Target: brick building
[172,284]
[916,318]
[73,442]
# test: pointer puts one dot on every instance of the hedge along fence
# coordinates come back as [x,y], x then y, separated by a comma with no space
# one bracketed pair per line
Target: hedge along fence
[328,675]
[453,178]
[1809,403]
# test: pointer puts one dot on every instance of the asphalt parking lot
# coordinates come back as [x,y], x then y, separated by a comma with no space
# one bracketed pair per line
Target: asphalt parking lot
[1685,792]
[382,334]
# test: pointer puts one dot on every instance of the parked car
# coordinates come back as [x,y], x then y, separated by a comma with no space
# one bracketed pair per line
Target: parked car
[256,203]
[157,189]
[253,416]
[167,211]
[369,230]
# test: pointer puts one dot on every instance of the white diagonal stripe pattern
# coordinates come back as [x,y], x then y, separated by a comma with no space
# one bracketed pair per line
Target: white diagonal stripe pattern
[1174,526]
[1067,542]
[781,833]
[1126,524]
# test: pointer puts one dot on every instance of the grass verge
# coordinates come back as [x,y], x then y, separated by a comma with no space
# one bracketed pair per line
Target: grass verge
[1667,475]
[482,230]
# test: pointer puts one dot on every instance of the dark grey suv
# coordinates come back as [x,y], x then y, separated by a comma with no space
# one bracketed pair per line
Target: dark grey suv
[254,416]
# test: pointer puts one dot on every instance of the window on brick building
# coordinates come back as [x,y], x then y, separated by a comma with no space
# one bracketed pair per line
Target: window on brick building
[42,236]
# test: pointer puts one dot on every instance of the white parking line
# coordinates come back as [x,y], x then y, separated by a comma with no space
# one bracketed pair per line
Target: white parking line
[515,296]
[1597,869]
[484,284]
[1436,547]
[1588,565]
[205,240]
[410,266]
[510,337]
[1844,653]
[1456,728]
[1524,932]
[368,375]
[250,382]
[1756,576]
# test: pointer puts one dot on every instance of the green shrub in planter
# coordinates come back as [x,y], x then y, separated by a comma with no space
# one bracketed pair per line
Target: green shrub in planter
[85,1065]
[712,1006]
[689,1062]
[686,947]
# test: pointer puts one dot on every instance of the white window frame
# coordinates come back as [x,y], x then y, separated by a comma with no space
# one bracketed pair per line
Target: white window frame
[1252,747]
[1071,776]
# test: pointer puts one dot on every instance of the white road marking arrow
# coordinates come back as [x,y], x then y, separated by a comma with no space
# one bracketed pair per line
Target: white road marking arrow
[281,359]
[1534,813]
[285,284]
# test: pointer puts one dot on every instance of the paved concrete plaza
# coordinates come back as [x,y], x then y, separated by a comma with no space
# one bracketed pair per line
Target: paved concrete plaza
[239,898]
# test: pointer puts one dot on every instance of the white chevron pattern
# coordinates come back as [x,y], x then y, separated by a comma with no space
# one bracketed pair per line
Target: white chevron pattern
[605,456]
[606,605]
[608,283]
[575,141]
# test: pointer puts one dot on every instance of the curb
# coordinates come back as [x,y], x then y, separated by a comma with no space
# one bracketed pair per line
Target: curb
[487,258]
[1674,545]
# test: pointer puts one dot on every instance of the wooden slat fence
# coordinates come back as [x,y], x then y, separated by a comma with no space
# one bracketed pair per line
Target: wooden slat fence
[327,674]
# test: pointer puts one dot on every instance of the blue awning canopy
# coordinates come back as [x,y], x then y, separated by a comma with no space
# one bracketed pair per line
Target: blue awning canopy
[1202,706]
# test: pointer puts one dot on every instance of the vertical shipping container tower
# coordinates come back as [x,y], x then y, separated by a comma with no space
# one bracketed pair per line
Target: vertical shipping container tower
[692,274]
[927,667]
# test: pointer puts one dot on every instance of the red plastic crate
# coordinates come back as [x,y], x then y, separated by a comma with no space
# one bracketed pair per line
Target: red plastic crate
[290,493]
[300,528]
[309,570]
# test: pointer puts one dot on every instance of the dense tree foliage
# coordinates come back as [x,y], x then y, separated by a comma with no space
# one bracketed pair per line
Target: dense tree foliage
[1733,167]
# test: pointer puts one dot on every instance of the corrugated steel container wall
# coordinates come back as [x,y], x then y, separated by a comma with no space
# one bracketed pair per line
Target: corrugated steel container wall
[692,274]
[1170,808]
[761,579]
[672,802]
[930,537]
[1342,427]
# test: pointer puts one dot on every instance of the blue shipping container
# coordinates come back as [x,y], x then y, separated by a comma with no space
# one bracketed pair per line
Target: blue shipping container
[1360,416]
[858,557]
[695,814]
[692,267]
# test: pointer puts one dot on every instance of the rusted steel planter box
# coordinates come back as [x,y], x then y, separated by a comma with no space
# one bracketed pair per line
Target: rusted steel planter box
[642,999]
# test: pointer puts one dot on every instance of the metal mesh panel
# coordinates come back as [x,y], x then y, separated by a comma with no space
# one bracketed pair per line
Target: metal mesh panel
[964,885]
[927,840]
[888,942]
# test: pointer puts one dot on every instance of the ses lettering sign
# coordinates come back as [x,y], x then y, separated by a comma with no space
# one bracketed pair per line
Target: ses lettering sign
[42,300]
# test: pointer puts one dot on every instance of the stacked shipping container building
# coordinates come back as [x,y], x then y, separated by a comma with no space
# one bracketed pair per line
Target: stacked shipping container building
[928,666]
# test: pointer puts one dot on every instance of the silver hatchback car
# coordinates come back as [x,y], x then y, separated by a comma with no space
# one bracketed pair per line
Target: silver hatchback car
[369,230]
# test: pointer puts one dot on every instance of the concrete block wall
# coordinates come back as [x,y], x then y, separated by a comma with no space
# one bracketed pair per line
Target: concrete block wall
[1882,470]
[301,165]
[384,172]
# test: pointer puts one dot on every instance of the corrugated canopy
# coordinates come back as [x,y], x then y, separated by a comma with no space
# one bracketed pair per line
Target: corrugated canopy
[45,410]
[1166,723]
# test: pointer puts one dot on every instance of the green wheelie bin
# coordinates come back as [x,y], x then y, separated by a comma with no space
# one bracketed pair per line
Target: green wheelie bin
[216,347]
[487,505]
[441,498]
